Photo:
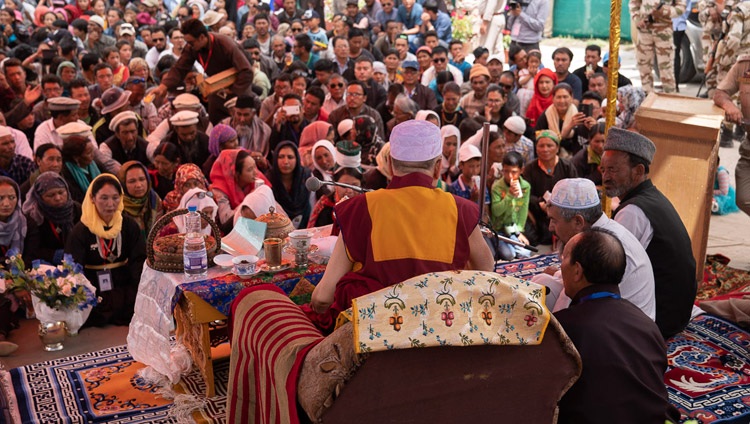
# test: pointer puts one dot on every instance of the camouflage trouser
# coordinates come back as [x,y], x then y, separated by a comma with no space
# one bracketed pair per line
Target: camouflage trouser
[656,39]
[742,176]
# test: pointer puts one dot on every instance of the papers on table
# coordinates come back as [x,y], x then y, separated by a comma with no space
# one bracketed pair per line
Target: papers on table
[246,238]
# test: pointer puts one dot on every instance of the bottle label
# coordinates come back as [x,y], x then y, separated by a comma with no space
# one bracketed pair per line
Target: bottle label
[195,259]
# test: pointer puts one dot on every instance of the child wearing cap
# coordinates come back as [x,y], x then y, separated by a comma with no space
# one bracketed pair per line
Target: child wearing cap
[311,19]
[467,183]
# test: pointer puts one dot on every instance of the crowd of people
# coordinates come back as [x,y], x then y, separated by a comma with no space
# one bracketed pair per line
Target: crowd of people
[108,124]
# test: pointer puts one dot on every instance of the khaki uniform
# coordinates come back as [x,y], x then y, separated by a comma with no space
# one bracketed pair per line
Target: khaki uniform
[655,36]
[736,42]
[712,30]
[737,80]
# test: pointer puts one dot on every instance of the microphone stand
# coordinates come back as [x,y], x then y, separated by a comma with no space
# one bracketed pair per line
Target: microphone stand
[488,231]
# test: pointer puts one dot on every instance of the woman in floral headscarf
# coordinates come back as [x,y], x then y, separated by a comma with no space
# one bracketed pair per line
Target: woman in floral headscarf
[140,200]
[222,137]
[114,266]
[233,176]
[187,176]
[51,214]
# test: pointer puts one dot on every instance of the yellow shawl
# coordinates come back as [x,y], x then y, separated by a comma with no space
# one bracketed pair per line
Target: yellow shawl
[91,219]
[553,119]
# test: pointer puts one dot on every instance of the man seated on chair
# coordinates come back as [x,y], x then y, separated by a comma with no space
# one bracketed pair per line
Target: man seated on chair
[622,352]
[408,229]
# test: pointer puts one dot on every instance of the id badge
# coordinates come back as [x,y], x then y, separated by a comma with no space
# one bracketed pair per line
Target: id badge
[105,280]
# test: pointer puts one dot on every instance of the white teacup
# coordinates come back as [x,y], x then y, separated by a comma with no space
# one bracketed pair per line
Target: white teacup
[245,264]
[300,240]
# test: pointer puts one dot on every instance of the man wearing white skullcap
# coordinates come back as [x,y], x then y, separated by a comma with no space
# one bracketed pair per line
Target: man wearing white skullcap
[193,144]
[406,230]
[652,218]
[574,207]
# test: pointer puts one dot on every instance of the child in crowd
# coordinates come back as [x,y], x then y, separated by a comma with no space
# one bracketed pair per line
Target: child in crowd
[311,19]
[723,201]
[470,164]
[120,71]
[526,79]
[510,203]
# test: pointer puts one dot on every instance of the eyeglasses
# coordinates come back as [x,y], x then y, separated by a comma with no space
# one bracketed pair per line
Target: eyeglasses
[355,94]
[136,81]
[438,60]
[296,29]
[339,85]
[506,86]
[157,39]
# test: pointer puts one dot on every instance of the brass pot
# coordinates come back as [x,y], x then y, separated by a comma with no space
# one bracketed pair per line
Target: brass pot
[278,225]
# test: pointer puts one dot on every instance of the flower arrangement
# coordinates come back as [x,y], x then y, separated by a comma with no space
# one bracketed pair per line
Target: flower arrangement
[60,287]
[463,25]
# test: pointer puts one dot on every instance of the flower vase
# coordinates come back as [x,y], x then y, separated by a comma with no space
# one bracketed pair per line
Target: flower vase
[52,335]
[73,317]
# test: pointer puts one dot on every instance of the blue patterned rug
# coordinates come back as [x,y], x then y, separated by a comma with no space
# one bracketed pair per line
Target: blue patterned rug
[708,378]
[102,387]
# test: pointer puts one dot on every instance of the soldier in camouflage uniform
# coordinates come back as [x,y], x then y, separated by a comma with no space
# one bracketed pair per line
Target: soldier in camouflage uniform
[653,19]
[737,81]
[709,14]
[736,42]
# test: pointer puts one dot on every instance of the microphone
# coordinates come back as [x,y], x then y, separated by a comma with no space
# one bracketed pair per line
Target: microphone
[314,184]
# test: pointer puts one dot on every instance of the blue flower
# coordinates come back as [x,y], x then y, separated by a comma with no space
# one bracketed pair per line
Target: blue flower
[36,263]
[13,252]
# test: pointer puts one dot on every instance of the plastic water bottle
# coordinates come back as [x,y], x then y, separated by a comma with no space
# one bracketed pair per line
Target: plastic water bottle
[194,254]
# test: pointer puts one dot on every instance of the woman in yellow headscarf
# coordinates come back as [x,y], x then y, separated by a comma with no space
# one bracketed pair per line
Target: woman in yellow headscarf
[112,250]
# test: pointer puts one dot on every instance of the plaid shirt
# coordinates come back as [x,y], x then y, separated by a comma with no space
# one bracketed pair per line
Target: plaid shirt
[20,169]
[524,146]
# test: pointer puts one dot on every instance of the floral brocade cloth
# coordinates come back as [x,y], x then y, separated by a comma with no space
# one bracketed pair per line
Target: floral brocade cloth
[458,308]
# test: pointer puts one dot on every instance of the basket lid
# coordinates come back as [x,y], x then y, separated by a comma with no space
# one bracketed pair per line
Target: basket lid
[274,220]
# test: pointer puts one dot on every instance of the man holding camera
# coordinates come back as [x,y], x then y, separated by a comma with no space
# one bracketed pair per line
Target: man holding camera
[526,22]
[653,19]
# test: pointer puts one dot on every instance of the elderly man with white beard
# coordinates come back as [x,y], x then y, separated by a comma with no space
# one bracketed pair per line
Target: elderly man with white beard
[252,133]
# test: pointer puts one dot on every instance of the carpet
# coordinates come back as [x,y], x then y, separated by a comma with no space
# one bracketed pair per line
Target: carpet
[708,374]
[527,268]
[102,387]
[720,279]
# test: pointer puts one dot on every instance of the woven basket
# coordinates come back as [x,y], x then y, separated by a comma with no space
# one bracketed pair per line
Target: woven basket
[173,261]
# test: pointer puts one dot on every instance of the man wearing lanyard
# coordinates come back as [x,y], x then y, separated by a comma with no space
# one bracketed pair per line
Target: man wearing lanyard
[216,53]
[622,351]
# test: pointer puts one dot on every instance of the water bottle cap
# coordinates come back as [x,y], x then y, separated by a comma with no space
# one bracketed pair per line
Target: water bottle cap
[192,208]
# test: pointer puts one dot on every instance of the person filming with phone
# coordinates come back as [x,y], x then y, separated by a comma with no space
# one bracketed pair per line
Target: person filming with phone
[288,122]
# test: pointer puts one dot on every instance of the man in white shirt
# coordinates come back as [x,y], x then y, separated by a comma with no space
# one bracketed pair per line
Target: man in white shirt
[440,63]
[574,207]
[159,37]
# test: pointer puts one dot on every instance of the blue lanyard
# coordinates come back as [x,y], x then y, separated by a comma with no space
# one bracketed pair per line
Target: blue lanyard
[599,295]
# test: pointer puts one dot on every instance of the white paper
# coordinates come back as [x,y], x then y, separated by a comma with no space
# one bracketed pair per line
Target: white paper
[246,238]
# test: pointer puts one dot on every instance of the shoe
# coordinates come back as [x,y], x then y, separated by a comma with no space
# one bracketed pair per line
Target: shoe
[739,132]
[6,348]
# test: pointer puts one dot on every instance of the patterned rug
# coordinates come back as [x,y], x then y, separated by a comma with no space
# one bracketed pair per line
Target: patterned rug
[527,268]
[708,378]
[102,387]
[720,279]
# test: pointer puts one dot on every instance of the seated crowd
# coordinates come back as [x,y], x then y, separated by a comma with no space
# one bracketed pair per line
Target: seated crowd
[91,158]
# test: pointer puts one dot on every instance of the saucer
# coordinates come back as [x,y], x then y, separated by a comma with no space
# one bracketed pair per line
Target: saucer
[292,251]
[285,264]
[248,276]
[224,260]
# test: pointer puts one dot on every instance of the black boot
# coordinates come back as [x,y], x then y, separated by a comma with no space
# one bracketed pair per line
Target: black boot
[739,132]
[725,139]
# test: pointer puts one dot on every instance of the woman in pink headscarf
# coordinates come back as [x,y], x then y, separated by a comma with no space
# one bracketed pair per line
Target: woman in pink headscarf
[313,133]
[233,176]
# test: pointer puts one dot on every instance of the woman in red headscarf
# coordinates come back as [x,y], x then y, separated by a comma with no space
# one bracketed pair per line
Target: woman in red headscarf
[544,82]
[233,176]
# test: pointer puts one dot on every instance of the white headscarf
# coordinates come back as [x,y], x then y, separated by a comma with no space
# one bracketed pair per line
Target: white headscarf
[423,114]
[445,132]
[259,201]
[205,202]
[327,175]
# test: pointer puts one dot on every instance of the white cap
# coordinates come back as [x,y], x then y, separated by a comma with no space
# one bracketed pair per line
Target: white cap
[515,124]
[344,127]
[97,20]
[416,141]
[468,151]
[120,118]
[5,131]
[186,100]
[78,128]
[379,67]
[211,18]
[184,118]
[575,193]
[127,29]
[495,57]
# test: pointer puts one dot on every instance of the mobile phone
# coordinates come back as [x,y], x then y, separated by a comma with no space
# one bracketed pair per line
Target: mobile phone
[587,110]
[291,110]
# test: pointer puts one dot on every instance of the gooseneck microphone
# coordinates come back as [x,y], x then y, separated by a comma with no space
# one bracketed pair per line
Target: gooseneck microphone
[314,184]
